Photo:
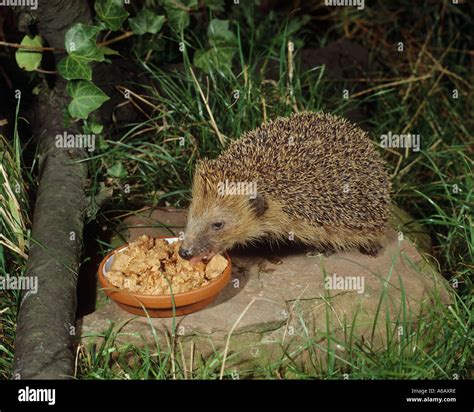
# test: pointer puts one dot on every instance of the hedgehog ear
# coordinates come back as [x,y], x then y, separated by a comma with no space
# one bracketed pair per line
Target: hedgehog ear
[258,204]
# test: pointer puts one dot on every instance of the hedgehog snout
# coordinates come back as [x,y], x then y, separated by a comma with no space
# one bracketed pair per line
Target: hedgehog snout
[185,253]
[189,250]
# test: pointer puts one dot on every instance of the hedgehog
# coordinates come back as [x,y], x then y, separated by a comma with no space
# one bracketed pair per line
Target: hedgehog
[314,178]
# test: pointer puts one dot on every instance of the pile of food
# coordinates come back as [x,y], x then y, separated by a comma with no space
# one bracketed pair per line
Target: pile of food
[149,266]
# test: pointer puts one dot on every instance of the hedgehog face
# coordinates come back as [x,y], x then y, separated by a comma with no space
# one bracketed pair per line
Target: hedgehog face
[207,233]
[218,223]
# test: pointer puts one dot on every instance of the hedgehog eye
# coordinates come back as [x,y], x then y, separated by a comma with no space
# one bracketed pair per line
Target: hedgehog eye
[217,225]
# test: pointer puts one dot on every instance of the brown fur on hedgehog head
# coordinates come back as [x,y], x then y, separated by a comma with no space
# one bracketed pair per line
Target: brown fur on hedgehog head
[218,218]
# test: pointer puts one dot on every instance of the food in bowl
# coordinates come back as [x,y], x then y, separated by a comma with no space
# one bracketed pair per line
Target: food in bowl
[151,266]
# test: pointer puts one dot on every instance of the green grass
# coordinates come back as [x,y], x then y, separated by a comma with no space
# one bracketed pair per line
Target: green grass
[147,166]
[14,235]
[416,348]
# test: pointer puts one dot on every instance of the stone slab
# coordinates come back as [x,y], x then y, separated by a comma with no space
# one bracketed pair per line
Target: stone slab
[277,299]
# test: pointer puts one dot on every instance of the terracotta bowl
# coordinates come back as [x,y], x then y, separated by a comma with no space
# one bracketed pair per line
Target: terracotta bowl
[161,306]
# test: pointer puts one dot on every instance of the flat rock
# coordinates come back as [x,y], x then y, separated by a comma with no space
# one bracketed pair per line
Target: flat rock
[278,299]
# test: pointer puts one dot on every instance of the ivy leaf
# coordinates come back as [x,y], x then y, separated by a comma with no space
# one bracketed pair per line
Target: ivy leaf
[214,59]
[215,5]
[117,170]
[146,22]
[107,51]
[111,12]
[86,97]
[92,126]
[80,40]
[96,128]
[203,60]
[219,34]
[178,13]
[223,44]
[29,60]
[75,67]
